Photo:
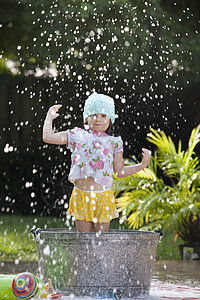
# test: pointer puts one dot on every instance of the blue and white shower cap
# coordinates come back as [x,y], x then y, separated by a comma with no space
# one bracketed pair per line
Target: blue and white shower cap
[99,104]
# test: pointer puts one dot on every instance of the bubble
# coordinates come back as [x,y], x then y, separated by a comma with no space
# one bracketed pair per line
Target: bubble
[46,251]
[28,184]
[123,100]
[8,148]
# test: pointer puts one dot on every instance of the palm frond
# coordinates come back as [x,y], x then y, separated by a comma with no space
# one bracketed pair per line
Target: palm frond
[160,139]
[169,160]
[195,163]
[123,202]
[194,140]
[146,200]
[179,147]
[175,163]
[145,173]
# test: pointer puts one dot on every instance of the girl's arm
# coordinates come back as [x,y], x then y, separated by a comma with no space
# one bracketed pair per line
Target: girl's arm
[49,136]
[124,171]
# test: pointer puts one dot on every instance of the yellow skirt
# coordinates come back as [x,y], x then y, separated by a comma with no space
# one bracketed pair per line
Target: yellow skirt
[92,206]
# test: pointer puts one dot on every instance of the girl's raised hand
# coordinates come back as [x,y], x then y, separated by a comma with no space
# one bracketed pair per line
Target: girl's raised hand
[53,111]
[146,157]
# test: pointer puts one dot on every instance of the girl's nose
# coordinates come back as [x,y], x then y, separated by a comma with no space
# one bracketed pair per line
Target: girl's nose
[98,117]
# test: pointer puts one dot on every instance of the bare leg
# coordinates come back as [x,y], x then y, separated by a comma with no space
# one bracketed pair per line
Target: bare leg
[102,227]
[83,226]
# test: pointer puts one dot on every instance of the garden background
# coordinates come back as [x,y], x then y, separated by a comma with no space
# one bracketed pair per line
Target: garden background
[145,54]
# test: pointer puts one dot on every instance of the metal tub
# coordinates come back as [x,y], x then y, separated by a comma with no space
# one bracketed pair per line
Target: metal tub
[115,264]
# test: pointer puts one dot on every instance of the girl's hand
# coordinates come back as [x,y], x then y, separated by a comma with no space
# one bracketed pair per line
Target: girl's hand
[53,111]
[146,157]
[49,136]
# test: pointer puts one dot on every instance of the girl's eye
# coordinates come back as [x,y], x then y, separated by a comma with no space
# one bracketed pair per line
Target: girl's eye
[101,115]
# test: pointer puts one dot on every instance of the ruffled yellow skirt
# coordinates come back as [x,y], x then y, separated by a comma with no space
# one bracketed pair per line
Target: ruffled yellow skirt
[92,206]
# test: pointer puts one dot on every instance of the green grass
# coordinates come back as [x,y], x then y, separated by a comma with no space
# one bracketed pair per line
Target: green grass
[168,249]
[17,242]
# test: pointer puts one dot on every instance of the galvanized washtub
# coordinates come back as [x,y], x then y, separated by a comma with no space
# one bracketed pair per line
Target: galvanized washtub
[115,264]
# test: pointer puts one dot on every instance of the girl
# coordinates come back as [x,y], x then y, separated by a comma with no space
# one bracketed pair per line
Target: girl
[95,155]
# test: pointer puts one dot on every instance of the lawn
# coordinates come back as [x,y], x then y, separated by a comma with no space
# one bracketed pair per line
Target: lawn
[17,242]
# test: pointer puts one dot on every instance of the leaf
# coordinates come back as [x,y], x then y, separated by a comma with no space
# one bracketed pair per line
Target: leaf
[147,199]
[145,173]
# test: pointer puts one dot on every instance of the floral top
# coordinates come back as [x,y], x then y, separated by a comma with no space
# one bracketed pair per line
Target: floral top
[92,155]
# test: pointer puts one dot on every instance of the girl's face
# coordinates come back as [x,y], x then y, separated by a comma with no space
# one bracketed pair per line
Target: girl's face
[98,122]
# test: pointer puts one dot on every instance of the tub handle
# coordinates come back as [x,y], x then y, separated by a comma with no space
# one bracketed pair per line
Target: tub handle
[161,233]
[117,294]
[36,233]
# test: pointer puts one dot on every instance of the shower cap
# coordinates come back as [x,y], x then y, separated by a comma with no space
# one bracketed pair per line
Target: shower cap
[99,104]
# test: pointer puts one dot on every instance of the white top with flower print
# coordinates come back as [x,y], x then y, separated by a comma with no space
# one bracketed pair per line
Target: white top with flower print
[92,155]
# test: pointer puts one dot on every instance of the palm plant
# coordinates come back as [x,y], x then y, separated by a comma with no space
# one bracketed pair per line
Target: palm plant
[170,200]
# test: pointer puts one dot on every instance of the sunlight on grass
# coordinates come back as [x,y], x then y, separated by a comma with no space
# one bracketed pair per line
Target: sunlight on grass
[17,242]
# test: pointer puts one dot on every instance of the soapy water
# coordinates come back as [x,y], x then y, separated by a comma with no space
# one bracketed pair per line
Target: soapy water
[172,280]
[165,290]
[158,290]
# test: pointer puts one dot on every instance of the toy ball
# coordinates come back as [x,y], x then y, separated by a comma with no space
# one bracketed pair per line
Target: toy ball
[25,285]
